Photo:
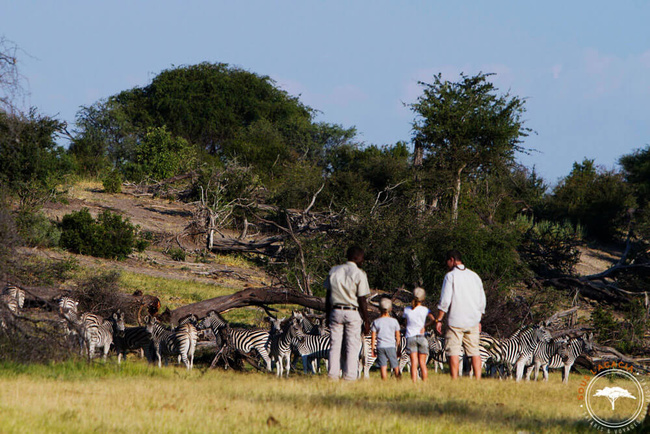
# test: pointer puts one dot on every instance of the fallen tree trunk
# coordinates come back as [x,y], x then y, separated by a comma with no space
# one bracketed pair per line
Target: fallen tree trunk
[268,246]
[261,296]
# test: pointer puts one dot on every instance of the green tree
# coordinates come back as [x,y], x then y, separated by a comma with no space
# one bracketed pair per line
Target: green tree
[161,155]
[636,171]
[32,165]
[464,128]
[596,198]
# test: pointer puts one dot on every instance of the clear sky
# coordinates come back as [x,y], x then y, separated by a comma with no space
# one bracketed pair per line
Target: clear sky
[584,66]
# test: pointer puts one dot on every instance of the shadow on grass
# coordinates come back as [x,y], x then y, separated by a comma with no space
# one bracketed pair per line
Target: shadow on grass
[492,415]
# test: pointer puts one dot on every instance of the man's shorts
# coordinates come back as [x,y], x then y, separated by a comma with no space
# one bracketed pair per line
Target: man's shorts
[468,338]
[417,344]
[388,354]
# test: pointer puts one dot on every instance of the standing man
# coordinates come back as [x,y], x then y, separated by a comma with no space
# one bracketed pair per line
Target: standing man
[347,310]
[463,299]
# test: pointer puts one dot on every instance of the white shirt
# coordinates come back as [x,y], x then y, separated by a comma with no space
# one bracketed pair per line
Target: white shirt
[462,297]
[347,282]
[415,320]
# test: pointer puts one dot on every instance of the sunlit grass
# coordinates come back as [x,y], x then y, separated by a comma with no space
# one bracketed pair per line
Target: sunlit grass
[172,293]
[135,397]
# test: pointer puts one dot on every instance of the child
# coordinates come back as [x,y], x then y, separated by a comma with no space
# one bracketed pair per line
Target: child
[416,343]
[385,337]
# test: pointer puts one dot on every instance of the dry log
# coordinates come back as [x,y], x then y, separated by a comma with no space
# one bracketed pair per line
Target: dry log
[261,296]
[268,246]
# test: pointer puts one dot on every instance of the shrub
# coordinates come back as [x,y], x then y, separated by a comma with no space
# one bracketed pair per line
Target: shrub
[99,294]
[113,182]
[176,254]
[108,237]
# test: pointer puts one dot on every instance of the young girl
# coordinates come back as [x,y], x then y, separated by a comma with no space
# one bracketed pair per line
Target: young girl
[416,343]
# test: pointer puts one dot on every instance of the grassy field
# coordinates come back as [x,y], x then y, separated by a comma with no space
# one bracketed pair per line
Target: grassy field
[133,397]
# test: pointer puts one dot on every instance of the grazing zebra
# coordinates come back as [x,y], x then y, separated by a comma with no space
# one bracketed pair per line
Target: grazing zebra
[312,349]
[243,340]
[135,338]
[180,341]
[575,347]
[282,335]
[15,292]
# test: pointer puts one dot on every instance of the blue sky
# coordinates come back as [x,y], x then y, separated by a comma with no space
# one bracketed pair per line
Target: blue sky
[584,66]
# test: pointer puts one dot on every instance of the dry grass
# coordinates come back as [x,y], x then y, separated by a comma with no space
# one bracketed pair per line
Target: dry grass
[139,398]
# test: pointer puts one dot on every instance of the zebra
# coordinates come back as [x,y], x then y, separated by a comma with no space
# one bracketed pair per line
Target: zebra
[575,347]
[312,349]
[516,350]
[67,304]
[180,341]
[283,333]
[545,352]
[10,304]
[15,292]
[135,338]
[98,332]
[366,359]
[309,327]
[243,340]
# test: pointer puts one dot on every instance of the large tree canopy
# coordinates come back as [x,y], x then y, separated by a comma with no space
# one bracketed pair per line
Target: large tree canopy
[464,128]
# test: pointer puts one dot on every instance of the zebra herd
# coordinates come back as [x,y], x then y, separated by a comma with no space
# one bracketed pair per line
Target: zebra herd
[529,349]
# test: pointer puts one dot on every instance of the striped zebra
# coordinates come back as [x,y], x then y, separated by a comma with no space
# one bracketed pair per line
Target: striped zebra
[312,349]
[135,338]
[283,333]
[169,343]
[546,351]
[98,332]
[243,340]
[15,292]
[309,327]
[9,307]
[366,359]
[575,347]
[513,352]
[67,304]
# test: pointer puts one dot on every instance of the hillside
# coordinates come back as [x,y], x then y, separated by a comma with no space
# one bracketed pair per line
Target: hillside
[198,277]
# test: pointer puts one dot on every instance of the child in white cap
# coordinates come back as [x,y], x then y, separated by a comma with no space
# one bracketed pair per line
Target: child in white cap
[385,338]
[416,343]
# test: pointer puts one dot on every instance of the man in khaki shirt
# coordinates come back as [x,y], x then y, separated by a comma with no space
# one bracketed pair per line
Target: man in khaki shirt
[347,310]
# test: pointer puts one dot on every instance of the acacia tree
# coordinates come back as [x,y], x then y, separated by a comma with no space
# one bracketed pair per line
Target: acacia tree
[464,128]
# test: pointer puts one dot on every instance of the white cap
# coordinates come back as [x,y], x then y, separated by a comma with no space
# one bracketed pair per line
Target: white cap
[419,293]
[386,304]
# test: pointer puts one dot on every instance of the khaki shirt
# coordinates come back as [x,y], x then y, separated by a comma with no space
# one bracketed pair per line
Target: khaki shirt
[347,282]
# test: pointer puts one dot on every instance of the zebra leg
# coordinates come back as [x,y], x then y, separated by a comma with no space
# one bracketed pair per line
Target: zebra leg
[545,372]
[565,377]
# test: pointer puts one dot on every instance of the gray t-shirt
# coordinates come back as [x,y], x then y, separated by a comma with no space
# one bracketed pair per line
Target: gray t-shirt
[385,327]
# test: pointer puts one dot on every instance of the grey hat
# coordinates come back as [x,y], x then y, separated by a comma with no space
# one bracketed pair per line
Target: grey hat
[419,293]
[385,304]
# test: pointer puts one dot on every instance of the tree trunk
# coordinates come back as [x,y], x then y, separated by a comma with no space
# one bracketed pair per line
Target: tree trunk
[249,297]
[456,199]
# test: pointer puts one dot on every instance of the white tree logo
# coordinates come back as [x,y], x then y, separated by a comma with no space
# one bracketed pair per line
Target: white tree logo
[613,393]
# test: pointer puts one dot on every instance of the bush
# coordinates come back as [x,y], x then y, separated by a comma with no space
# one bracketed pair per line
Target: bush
[113,182]
[176,254]
[108,237]
[99,294]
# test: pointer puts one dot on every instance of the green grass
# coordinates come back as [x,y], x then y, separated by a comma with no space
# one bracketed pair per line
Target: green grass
[173,293]
[134,397]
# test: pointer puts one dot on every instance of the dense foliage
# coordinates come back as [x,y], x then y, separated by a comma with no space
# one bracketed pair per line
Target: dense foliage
[108,236]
